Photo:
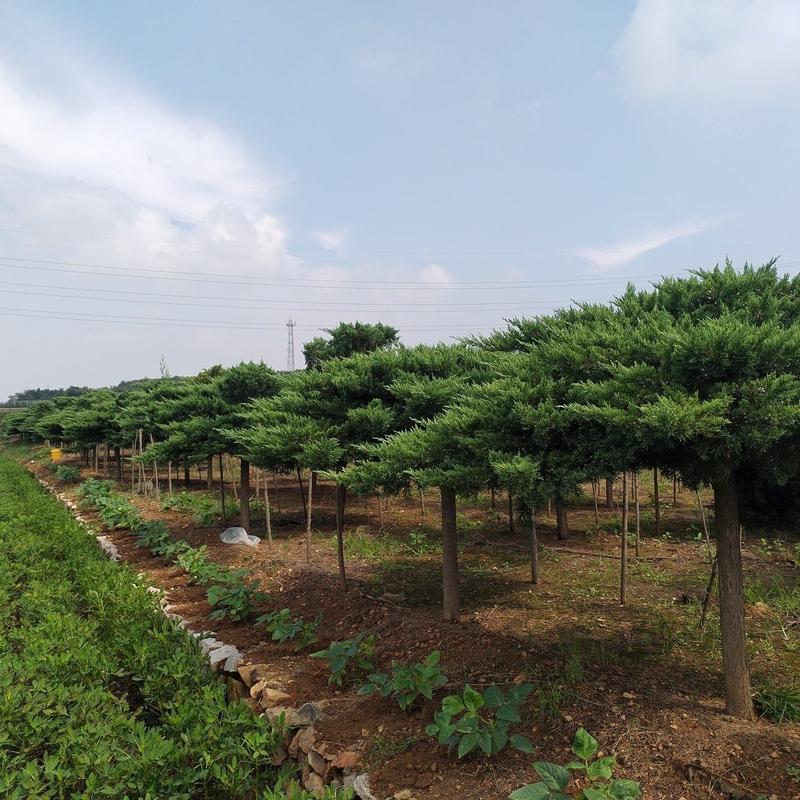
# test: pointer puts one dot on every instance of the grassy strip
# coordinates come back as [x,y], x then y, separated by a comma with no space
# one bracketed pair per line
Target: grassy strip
[99,694]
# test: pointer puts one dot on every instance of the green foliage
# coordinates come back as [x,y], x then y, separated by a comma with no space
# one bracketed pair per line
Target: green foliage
[480,721]
[115,510]
[597,771]
[349,659]
[779,704]
[100,694]
[407,682]
[349,338]
[234,600]
[781,596]
[203,507]
[283,628]
[67,474]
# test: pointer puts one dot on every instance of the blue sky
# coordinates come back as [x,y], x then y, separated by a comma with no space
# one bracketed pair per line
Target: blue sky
[438,166]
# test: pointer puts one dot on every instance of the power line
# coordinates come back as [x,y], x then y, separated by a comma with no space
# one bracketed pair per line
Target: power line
[319,283]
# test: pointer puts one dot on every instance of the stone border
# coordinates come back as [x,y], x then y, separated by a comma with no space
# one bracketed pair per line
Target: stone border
[320,766]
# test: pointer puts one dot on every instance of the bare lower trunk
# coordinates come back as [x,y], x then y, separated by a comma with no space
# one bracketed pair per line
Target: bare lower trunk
[449,556]
[244,498]
[169,476]
[510,513]
[594,499]
[534,546]
[562,523]
[341,501]
[380,511]
[492,498]
[609,494]
[267,515]
[210,472]
[638,511]
[623,558]
[222,488]
[422,502]
[118,460]
[302,493]
[308,517]
[738,693]
[656,502]
[709,589]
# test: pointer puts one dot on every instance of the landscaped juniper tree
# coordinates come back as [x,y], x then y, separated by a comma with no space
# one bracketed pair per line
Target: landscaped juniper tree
[347,339]
[706,383]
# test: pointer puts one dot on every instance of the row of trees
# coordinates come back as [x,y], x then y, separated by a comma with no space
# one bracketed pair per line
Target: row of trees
[698,377]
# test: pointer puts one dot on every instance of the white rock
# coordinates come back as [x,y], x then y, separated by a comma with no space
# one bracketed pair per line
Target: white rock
[361,787]
[237,535]
[220,657]
[207,645]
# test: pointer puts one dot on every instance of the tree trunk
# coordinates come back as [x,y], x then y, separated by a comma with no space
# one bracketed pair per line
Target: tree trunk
[738,693]
[210,472]
[422,502]
[244,494]
[562,524]
[638,511]
[302,493]
[449,556]
[267,515]
[534,545]
[656,502]
[169,477]
[510,513]
[707,597]
[308,517]
[493,499]
[118,460]
[341,501]
[623,558]
[609,494]
[186,477]
[380,511]
[594,499]
[222,488]
[674,490]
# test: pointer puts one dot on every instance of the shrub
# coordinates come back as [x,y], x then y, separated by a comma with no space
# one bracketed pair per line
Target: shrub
[283,628]
[203,507]
[234,600]
[407,683]
[104,696]
[473,720]
[598,771]
[67,474]
[350,658]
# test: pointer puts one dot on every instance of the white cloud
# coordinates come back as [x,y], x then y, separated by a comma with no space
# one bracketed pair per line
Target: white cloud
[333,239]
[437,275]
[718,51]
[615,255]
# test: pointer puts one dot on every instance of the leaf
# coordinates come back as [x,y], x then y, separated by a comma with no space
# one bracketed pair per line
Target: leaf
[472,700]
[452,705]
[624,790]
[516,694]
[593,794]
[603,768]
[433,659]
[485,742]
[555,776]
[521,743]
[493,697]
[508,713]
[432,730]
[467,744]
[533,791]
[584,745]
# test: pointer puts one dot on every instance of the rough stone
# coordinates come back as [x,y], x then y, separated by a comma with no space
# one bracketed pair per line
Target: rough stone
[251,674]
[304,740]
[273,697]
[313,783]
[223,656]
[279,756]
[209,644]
[308,713]
[318,763]
[236,690]
[289,715]
[403,794]
[347,759]
[361,787]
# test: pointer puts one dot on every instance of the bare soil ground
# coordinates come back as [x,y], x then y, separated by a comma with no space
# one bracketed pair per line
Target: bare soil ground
[645,679]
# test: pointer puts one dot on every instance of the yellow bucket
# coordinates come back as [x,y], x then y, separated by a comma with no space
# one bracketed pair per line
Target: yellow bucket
[56,454]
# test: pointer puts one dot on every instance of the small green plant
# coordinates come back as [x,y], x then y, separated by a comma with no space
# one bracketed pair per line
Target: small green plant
[779,704]
[781,596]
[407,683]
[283,628]
[203,507]
[67,474]
[473,720]
[598,771]
[420,544]
[235,600]
[350,658]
